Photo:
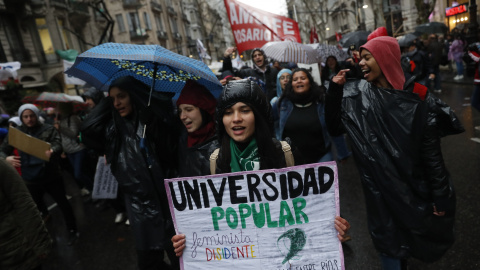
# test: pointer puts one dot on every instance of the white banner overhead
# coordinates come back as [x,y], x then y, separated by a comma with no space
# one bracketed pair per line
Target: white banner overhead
[271,219]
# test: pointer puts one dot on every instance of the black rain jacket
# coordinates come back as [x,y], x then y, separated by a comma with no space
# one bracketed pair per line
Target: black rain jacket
[396,143]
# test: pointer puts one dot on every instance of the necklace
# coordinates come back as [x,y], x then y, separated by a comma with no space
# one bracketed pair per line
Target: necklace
[303,105]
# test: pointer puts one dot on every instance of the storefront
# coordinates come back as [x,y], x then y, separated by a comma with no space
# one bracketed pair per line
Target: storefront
[457,15]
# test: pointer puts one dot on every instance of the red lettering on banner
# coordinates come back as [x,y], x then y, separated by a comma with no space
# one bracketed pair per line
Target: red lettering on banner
[455,10]
[252,27]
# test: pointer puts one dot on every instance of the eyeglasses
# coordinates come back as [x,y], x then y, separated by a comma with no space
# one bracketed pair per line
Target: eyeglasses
[284,77]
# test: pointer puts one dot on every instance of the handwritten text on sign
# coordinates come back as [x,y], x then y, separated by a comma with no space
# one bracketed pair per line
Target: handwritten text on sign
[270,219]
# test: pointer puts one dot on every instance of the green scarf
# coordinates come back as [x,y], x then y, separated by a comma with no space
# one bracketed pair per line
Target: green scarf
[247,160]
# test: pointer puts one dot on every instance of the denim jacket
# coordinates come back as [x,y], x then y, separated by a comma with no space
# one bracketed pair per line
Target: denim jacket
[282,113]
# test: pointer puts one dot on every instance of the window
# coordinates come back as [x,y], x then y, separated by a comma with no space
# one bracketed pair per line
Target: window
[121,23]
[173,25]
[146,18]
[158,22]
[133,22]
[46,40]
[66,37]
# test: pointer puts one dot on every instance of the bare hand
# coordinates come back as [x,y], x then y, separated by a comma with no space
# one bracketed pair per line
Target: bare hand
[342,226]
[14,161]
[341,77]
[436,213]
[229,51]
[48,153]
[178,244]
[432,76]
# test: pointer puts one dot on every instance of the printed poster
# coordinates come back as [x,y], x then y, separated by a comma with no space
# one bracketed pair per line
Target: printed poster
[270,219]
[105,186]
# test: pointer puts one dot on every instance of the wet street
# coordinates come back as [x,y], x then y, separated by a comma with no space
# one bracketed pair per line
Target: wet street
[109,246]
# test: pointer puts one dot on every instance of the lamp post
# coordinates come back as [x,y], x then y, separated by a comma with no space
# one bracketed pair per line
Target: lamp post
[473,26]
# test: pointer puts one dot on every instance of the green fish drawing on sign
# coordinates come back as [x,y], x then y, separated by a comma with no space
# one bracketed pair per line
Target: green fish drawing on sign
[298,239]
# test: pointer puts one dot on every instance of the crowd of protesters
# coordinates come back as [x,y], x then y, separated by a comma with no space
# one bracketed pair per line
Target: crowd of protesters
[261,109]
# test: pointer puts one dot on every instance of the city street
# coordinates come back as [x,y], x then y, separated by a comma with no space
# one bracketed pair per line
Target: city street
[108,246]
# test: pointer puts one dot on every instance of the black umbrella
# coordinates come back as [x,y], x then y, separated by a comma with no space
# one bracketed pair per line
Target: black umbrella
[357,38]
[407,40]
[431,28]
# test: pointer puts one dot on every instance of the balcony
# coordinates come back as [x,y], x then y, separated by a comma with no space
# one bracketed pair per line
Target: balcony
[138,34]
[162,35]
[131,3]
[59,3]
[79,8]
[177,36]
[171,11]
[156,6]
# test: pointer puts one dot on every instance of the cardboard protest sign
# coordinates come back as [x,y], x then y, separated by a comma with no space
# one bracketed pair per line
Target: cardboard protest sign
[252,27]
[28,144]
[270,219]
[105,186]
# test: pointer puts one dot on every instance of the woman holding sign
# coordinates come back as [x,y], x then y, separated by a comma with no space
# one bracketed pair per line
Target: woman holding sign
[245,132]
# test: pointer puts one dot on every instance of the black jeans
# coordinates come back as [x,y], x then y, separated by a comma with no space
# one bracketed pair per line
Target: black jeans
[55,188]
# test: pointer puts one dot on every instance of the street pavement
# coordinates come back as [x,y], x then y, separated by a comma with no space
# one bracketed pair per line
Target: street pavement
[108,246]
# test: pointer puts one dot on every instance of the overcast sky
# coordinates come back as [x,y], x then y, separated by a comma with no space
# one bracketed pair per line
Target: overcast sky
[273,6]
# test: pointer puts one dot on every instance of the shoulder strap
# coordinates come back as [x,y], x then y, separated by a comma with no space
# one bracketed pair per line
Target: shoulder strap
[213,161]
[287,150]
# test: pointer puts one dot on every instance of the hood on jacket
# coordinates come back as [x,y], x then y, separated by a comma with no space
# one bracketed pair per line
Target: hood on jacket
[386,52]
[279,86]
[94,94]
[248,92]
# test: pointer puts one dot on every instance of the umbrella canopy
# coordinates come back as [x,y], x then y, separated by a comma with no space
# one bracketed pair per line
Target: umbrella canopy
[431,28]
[48,99]
[290,51]
[324,51]
[104,63]
[357,38]
[407,40]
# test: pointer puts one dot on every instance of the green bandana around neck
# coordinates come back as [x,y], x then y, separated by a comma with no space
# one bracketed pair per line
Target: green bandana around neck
[246,160]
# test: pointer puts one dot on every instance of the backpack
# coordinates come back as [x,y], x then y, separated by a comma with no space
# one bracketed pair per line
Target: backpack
[287,150]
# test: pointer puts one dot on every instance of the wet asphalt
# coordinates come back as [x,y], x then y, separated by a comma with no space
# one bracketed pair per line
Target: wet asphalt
[108,246]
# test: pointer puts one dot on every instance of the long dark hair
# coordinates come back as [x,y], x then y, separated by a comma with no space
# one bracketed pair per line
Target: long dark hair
[316,93]
[249,93]
[267,151]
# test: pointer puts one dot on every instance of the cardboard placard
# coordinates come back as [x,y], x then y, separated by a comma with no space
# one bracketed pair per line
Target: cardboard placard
[269,219]
[28,144]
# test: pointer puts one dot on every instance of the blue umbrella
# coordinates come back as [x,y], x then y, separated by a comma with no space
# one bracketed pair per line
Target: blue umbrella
[102,64]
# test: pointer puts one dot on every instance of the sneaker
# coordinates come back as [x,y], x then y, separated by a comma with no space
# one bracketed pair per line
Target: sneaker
[458,77]
[72,237]
[127,222]
[477,140]
[477,128]
[84,192]
[437,90]
[119,218]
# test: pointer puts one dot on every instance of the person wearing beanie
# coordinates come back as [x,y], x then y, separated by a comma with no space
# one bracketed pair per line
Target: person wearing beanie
[196,110]
[301,117]
[395,137]
[140,144]
[245,132]
[42,176]
[261,70]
